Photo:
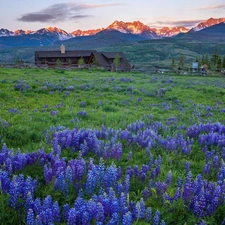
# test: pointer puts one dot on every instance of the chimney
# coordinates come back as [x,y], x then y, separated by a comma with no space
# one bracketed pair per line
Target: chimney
[62,49]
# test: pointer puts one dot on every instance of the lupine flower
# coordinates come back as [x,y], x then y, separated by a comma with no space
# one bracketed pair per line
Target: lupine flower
[30,217]
[54,113]
[72,217]
[56,212]
[187,187]
[127,219]
[156,218]
[169,178]
[100,213]
[148,214]
[65,213]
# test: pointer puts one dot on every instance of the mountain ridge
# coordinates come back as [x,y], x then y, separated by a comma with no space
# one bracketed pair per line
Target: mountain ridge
[135,27]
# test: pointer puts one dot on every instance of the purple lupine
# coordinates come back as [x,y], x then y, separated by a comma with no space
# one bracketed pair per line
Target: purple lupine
[86,218]
[83,104]
[169,178]
[56,212]
[115,207]
[4,182]
[29,200]
[156,218]
[187,187]
[200,204]
[30,217]
[142,208]
[69,175]
[114,219]
[207,169]
[48,174]
[177,194]
[216,197]
[223,153]
[65,213]
[100,213]
[202,222]
[216,161]
[187,166]
[72,216]
[37,206]
[47,203]
[54,113]
[110,176]
[14,191]
[127,184]
[127,219]
[129,157]
[179,182]
[148,214]
[123,203]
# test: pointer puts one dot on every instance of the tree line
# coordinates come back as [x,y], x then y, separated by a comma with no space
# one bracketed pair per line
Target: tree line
[215,61]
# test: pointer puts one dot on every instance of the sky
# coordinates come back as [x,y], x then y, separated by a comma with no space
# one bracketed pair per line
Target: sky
[71,15]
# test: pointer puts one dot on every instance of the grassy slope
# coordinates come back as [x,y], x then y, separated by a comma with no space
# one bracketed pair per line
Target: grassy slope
[109,100]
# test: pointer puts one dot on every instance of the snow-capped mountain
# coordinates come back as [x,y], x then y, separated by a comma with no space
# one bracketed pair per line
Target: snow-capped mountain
[54,31]
[78,33]
[5,33]
[135,27]
[22,32]
[169,32]
[208,23]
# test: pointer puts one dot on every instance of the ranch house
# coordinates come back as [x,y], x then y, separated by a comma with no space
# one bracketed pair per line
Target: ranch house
[104,60]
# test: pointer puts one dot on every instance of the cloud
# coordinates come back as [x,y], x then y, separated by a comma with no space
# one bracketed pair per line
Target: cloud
[212,7]
[61,12]
[80,16]
[173,23]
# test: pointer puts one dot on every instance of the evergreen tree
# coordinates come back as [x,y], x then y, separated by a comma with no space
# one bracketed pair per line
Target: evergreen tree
[203,60]
[173,65]
[116,61]
[219,63]
[58,63]
[95,61]
[214,58]
[223,63]
[206,59]
[81,62]
[69,62]
[181,61]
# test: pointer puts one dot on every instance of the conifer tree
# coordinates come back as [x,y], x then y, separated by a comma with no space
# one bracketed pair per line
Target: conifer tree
[219,63]
[223,63]
[116,61]
[181,61]
[81,62]
[173,65]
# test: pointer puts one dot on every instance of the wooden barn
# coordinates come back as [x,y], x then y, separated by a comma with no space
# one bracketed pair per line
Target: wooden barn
[89,58]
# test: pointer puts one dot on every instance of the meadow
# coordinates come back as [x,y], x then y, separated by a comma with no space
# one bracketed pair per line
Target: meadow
[95,147]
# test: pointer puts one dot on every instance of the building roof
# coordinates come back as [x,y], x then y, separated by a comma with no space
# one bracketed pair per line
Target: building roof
[111,55]
[58,54]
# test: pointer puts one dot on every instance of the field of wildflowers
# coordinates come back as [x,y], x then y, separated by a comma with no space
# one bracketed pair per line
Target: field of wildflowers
[92,147]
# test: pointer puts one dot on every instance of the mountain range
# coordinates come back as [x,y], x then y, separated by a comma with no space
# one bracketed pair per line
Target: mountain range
[135,28]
